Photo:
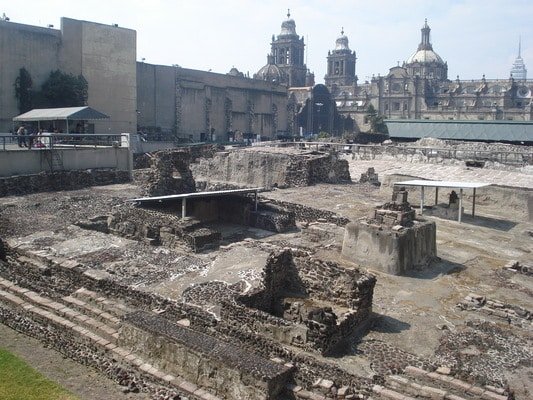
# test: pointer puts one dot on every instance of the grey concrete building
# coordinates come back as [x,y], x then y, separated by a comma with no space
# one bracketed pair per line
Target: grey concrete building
[208,106]
[104,54]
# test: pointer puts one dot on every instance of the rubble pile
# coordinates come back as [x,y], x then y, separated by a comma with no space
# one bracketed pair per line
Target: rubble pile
[482,351]
[514,315]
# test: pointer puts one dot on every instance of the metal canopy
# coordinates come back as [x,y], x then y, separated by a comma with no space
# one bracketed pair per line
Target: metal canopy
[55,114]
[184,196]
[446,184]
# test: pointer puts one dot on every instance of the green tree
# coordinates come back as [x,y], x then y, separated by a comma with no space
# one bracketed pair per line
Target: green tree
[64,90]
[377,125]
[23,90]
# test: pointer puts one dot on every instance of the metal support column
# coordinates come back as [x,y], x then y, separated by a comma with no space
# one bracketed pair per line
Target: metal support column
[421,200]
[460,205]
[183,207]
[255,199]
[436,195]
[474,204]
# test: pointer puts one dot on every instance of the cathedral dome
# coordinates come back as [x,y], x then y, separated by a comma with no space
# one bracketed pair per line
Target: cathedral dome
[424,56]
[288,27]
[342,42]
[270,72]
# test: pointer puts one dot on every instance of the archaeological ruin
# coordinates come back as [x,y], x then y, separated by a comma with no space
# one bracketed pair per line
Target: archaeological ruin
[274,272]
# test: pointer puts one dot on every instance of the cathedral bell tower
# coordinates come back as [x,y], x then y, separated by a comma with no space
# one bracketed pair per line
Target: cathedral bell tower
[341,64]
[287,50]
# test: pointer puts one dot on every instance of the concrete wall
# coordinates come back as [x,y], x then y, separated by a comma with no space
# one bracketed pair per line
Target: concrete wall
[33,162]
[105,55]
[391,252]
[191,102]
[24,46]
[156,102]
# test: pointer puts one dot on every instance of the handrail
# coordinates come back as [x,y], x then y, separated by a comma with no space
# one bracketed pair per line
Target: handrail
[71,140]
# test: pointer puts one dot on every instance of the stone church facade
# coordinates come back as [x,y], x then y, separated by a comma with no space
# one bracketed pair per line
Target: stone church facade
[420,89]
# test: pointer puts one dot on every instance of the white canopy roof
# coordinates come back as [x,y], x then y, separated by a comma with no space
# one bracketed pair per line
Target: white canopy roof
[446,184]
[67,113]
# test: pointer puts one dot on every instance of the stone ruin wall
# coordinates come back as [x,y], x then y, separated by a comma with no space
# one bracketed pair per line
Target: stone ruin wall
[256,168]
[204,360]
[294,273]
[389,251]
[62,276]
[310,214]
[60,180]
[391,240]
[166,227]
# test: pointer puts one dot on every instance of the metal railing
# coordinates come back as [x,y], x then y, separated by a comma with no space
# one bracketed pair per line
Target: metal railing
[49,141]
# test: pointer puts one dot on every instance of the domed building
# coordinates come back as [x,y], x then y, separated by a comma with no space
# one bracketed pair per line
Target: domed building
[271,72]
[420,89]
[287,52]
[425,62]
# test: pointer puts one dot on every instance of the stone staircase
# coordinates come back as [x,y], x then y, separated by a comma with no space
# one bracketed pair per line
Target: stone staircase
[92,320]
[420,384]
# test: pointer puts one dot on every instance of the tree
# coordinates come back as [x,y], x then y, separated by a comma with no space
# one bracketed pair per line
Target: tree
[64,90]
[377,125]
[23,90]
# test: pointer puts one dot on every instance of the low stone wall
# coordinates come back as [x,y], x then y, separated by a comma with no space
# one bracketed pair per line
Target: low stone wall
[60,180]
[204,360]
[310,214]
[392,251]
[269,168]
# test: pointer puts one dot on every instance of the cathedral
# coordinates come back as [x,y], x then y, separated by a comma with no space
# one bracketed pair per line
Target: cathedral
[418,89]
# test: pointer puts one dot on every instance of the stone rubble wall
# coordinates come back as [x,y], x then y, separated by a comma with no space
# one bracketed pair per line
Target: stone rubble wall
[204,360]
[294,273]
[165,226]
[310,214]
[169,173]
[60,180]
[260,168]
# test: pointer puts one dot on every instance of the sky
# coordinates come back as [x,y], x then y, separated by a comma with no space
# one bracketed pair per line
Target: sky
[475,37]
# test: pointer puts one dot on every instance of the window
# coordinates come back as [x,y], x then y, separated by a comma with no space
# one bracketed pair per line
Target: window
[396,106]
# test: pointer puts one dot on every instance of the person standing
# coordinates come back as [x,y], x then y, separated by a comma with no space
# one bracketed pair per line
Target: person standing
[21,133]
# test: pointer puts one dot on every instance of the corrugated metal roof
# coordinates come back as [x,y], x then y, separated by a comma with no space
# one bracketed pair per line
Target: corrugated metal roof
[513,131]
[194,194]
[51,114]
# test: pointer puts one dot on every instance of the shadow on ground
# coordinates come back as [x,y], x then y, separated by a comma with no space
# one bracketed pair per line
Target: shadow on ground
[437,268]
[386,324]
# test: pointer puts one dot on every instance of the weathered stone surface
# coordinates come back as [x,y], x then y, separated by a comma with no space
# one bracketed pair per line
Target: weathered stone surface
[391,240]
[394,252]
[60,180]
[271,168]
[204,360]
